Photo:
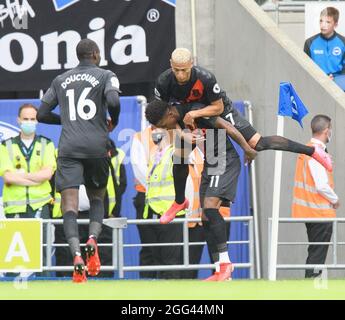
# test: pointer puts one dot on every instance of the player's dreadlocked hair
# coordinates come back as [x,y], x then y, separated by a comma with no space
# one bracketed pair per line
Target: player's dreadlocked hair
[156,110]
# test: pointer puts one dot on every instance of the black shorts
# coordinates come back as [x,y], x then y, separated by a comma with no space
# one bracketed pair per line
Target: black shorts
[240,123]
[72,172]
[220,181]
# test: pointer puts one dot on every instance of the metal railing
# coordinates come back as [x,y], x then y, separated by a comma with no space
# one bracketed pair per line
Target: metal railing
[119,224]
[334,243]
[250,109]
[288,5]
[284,6]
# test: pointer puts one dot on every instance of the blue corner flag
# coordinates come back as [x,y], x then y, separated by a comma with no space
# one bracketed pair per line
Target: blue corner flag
[290,104]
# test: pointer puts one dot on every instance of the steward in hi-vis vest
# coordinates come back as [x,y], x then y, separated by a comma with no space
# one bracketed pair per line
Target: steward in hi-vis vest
[314,196]
[27,163]
[307,201]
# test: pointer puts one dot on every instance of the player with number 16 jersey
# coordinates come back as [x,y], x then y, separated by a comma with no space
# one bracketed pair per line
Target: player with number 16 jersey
[81,93]
[84,95]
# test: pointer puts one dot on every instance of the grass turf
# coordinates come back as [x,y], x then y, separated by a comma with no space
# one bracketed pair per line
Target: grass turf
[178,289]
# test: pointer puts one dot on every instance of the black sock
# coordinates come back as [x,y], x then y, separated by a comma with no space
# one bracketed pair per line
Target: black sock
[70,227]
[180,174]
[217,228]
[211,243]
[96,217]
[283,144]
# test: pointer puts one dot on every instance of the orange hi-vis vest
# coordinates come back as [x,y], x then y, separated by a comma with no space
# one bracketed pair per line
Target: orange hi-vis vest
[150,148]
[225,211]
[195,171]
[307,202]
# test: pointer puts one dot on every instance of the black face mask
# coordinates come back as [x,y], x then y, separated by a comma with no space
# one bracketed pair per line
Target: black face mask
[157,137]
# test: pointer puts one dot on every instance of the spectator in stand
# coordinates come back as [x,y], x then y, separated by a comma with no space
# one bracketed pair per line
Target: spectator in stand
[327,48]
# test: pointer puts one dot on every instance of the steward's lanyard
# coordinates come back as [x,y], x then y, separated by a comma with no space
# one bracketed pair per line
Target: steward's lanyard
[27,151]
[158,157]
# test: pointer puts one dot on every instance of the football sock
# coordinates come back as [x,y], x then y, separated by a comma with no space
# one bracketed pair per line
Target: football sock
[283,144]
[180,174]
[96,217]
[70,227]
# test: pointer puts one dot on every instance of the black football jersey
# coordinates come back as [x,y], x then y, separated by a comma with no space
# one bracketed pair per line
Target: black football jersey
[80,93]
[202,87]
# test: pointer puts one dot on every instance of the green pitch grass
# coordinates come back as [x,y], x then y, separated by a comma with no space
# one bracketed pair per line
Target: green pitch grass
[192,289]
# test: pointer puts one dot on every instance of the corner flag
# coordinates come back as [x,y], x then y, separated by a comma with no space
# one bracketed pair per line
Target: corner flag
[290,103]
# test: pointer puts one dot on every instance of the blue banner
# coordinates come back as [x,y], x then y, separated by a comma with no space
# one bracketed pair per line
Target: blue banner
[129,123]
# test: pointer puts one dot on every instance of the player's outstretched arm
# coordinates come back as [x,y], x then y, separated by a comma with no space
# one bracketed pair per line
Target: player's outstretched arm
[113,102]
[237,136]
[46,115]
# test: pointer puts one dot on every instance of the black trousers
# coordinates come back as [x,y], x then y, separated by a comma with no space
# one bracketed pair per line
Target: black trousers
[196,234]
[167,255]
[148,235]
[63,254]
[317,232]
[146,257]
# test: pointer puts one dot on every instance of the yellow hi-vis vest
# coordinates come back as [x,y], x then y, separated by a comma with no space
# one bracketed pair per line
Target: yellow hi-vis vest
[57,213]
[307,202]
[160,192]
[17,197]
[116,162]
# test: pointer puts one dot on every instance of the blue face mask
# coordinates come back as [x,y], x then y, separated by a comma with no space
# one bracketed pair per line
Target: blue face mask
[28,127]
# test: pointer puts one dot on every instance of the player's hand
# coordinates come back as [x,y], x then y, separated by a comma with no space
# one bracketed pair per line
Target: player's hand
[331,76]
[200,132]
[191,137]
[336,205]
[249,155]
[188,120]
[110,125]
[199,135]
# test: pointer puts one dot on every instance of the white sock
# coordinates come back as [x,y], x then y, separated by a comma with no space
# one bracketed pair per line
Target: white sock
[224,257]
[217,264]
